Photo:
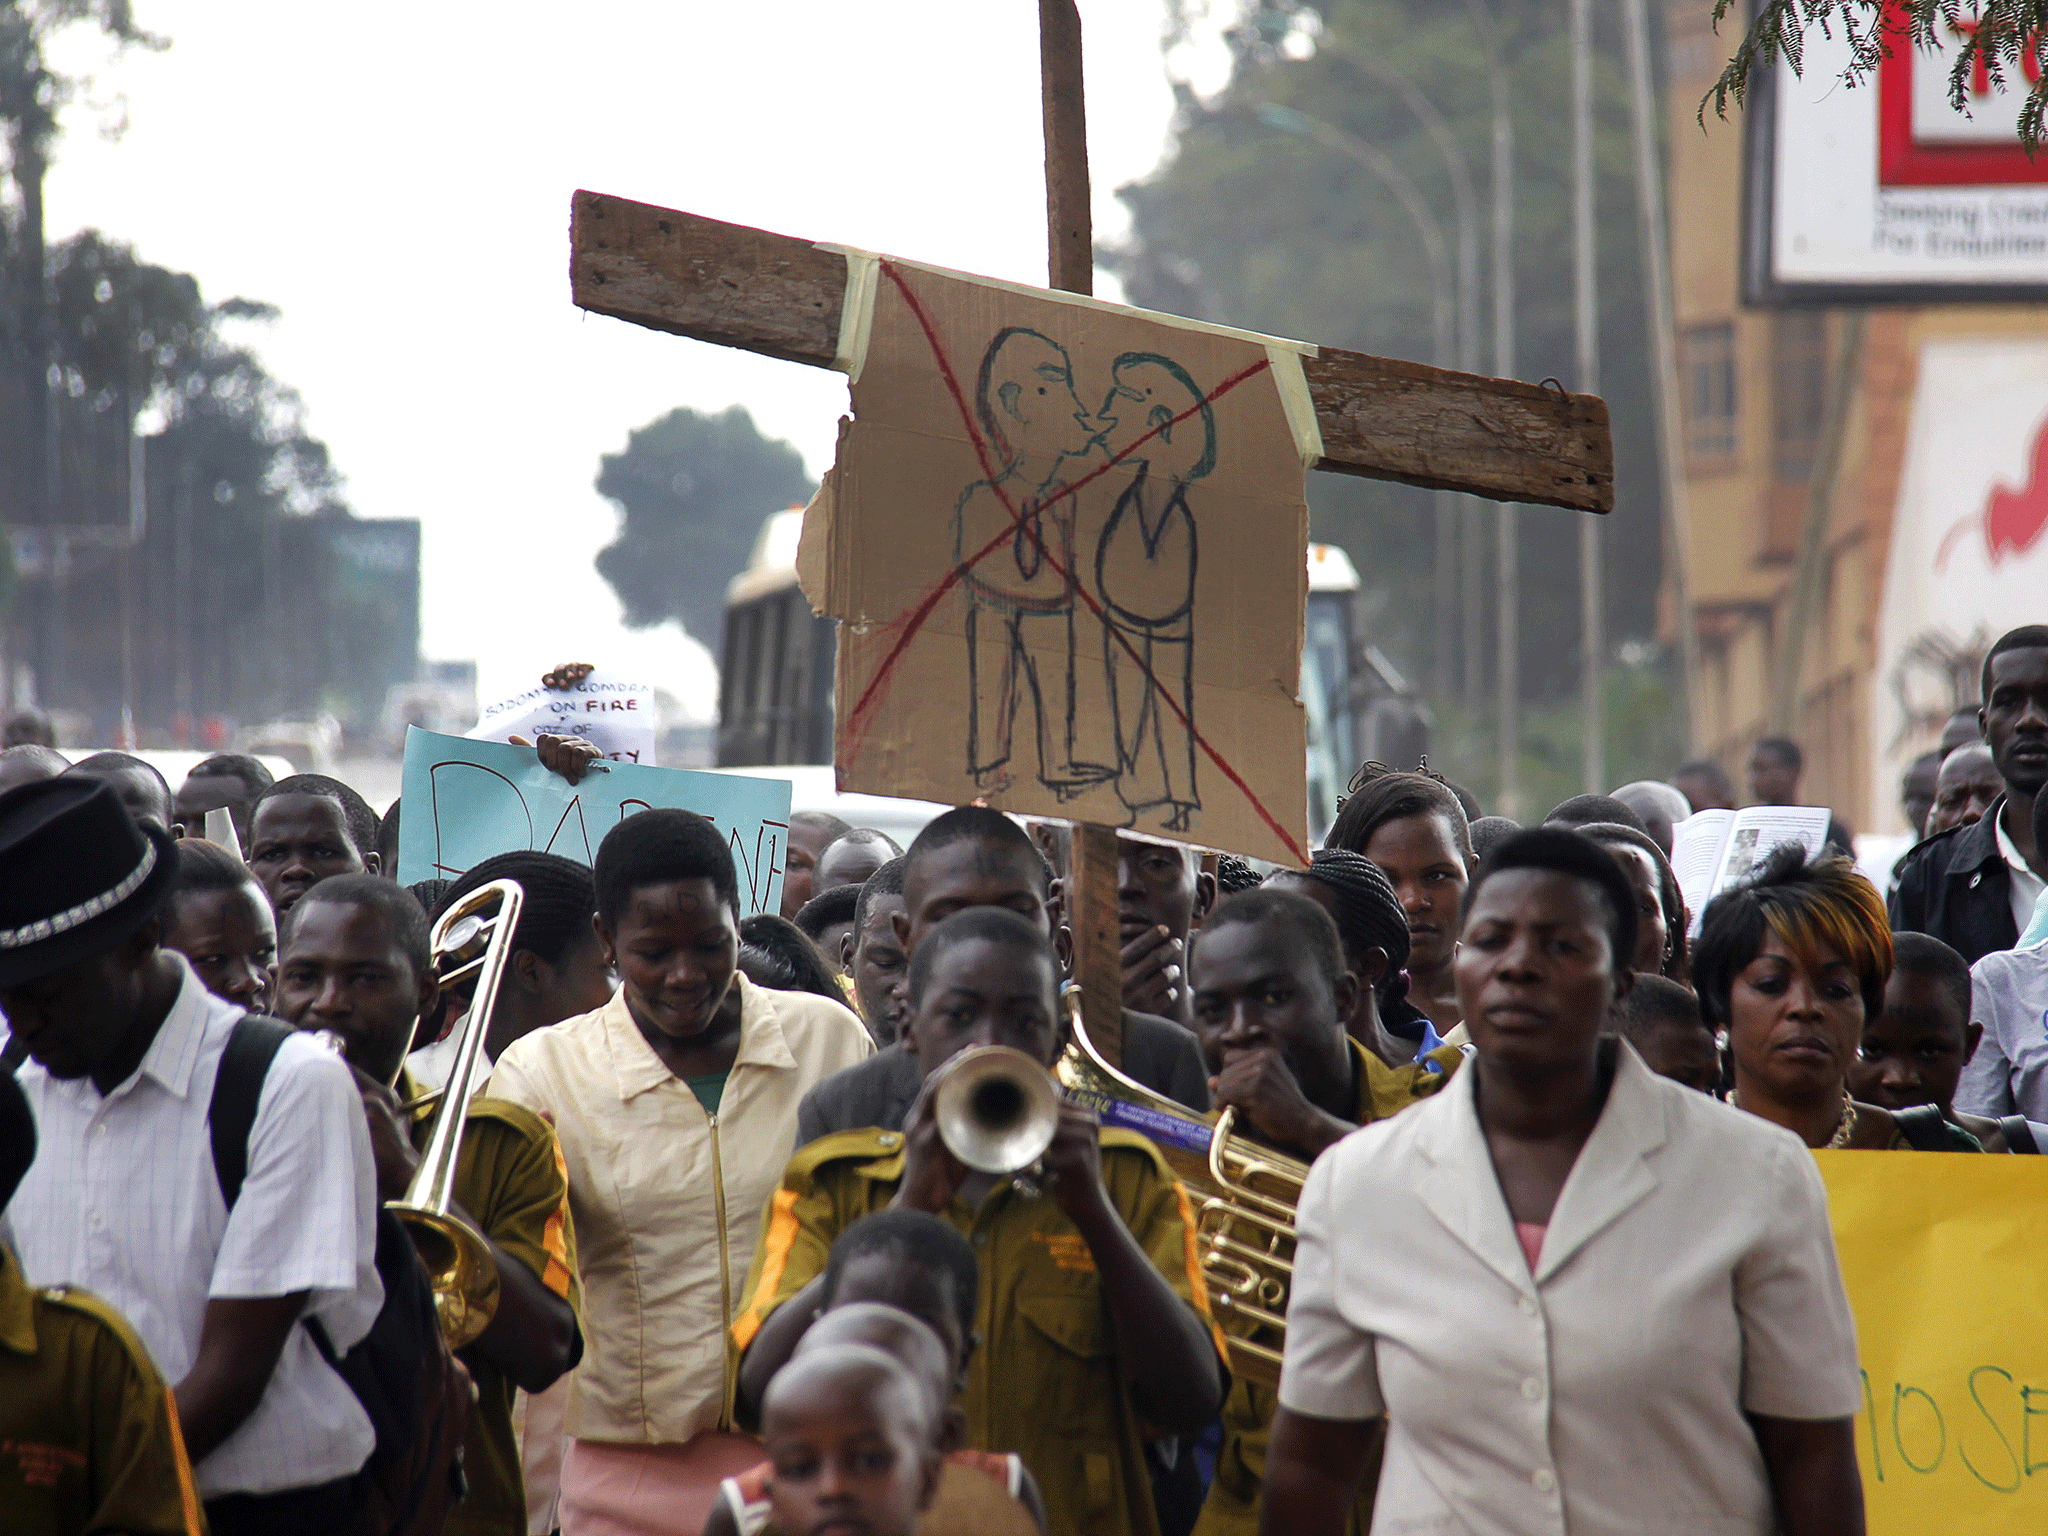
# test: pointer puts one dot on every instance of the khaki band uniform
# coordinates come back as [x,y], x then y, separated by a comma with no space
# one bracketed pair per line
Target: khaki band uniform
[89,1436]
[1232,1507]
[1046,1382]
[510,1176]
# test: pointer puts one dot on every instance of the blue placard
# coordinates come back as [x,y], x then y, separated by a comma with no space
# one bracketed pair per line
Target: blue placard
[466,800]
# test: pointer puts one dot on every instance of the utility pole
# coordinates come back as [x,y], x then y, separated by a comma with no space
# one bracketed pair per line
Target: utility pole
[1586,307]
[1663,359]
[1507,573]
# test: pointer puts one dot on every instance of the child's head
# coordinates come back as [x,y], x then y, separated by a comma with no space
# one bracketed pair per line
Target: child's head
[848,1431]
[1661,1019]
[912,1344]
[915,1262]
[1914,1050]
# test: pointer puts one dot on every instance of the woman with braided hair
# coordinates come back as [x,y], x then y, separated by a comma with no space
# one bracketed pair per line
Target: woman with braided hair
[1414,828]
[1374,931]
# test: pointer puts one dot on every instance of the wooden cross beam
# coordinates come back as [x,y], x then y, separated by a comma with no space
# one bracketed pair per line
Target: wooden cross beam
[1382,419]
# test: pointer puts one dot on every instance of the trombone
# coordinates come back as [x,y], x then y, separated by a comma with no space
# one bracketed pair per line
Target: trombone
[1247,1193]
[472,939]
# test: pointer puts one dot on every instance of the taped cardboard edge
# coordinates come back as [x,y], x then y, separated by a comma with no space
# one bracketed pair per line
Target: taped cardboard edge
[856,308]
[1296,402]
[857,317]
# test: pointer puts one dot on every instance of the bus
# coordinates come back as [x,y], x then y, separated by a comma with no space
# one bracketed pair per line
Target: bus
[775,674]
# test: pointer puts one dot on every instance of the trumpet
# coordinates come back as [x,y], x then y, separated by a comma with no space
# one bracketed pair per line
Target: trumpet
[996,1109]
[1247,1194]
[472,939]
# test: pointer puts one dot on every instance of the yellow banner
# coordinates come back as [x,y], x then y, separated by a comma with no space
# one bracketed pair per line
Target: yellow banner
[1946,1261]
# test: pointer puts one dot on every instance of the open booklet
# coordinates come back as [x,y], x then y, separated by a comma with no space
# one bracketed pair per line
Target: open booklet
[1711,850]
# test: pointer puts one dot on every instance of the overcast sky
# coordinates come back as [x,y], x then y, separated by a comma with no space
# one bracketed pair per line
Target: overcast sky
[397,181]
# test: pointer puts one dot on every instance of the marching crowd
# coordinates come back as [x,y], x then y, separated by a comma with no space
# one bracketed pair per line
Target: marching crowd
[1578,1275]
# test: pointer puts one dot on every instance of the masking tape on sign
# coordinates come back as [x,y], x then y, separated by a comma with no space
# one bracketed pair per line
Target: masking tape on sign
[857,315]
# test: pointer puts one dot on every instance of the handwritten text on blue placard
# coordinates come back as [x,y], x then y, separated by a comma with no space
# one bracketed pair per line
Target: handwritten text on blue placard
[466,800]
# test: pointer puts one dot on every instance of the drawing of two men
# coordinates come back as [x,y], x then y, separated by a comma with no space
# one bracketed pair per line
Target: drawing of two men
[1039,556]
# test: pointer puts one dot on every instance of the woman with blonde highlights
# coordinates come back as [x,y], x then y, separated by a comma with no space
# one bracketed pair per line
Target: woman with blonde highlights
[1792,961]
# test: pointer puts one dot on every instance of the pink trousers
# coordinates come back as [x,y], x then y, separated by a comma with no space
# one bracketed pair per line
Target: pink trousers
[648,1490]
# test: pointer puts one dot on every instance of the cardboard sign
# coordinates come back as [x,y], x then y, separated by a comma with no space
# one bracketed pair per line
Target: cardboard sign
[1942,1258]
[1065,543]
[466,800]
[614,714]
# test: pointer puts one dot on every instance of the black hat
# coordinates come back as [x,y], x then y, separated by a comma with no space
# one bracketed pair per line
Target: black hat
[76,875]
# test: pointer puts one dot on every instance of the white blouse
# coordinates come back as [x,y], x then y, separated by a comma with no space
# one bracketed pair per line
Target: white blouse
[1687,1277]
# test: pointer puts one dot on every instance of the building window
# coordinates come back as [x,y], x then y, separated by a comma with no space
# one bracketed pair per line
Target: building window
[1709,352]
[1799,387]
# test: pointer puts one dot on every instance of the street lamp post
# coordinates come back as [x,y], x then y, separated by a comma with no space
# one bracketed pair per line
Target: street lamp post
[1507,575]
[1460,605]
[1586,304]
[1382,165]
[1663,357]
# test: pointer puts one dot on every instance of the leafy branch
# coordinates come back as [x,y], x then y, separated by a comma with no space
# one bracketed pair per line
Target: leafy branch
[2001,38]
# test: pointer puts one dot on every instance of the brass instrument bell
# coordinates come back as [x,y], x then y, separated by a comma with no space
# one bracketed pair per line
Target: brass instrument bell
[472,939]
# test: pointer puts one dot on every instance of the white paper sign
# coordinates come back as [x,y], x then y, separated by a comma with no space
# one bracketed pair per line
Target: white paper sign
[615,714]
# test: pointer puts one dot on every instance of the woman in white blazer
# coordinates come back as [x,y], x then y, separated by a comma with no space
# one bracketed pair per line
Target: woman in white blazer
[1585,1300]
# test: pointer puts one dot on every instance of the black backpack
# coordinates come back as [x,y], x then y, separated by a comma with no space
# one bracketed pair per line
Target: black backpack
[416,1395]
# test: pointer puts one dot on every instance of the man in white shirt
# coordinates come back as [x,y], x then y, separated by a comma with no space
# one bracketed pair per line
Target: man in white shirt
[124,1198]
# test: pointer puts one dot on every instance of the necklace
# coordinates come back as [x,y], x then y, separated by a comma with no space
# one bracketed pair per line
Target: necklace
[1844,1127]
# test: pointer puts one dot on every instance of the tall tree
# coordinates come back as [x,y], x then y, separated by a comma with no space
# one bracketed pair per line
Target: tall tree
[32,96]
[1261,218]
[242,601]
[691,491]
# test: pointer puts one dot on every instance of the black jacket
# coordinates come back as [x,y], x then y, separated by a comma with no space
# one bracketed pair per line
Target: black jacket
[879,1091]
[1955,887]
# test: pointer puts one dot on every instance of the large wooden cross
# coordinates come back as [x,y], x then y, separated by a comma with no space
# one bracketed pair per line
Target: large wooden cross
[1383,419]
[783,297]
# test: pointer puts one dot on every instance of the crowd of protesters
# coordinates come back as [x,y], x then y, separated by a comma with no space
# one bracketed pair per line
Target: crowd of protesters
[743,1282]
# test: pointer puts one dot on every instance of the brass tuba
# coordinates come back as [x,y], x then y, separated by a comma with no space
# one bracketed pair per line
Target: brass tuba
[472,939]
[1245,1197]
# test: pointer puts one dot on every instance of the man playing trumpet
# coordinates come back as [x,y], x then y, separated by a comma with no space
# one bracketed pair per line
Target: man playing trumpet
[1091,1305]
[356,962]
[1270,1000]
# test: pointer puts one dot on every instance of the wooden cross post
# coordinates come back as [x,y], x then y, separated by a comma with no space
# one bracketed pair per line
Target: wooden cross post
[783,297]
[1092,881]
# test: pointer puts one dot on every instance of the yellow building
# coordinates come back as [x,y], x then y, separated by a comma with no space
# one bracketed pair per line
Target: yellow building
[1866,486]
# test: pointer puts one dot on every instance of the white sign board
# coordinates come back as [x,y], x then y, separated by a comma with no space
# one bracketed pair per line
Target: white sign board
[615,714]
[1884,192]
[1968,557]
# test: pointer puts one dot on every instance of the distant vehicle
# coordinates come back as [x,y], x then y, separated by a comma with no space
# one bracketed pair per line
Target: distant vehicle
[776,656]
[441,698]
[310,745]
[774,659]
[812,789]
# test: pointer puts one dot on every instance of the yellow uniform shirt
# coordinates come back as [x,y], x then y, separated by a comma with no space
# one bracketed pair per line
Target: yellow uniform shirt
[1046,1382]
[1232,1507]
[89,1438]
[510,1176]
